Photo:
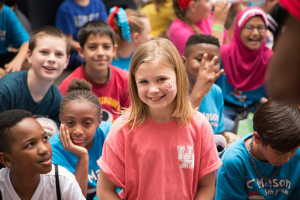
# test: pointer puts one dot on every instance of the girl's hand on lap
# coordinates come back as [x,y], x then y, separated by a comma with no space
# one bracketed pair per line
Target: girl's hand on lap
[221,11]
[65,138]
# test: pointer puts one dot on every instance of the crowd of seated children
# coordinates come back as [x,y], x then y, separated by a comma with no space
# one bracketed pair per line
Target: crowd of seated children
[132,28]
[78,145]
[244,61]
[71,16]
[147,139]
[12,34]
[160,14]
[33,89]
[26,153]
[109,83]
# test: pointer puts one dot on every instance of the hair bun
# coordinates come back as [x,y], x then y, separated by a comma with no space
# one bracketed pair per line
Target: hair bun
[79,84]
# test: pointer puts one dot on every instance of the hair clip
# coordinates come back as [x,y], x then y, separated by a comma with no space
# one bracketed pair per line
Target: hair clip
[123,21]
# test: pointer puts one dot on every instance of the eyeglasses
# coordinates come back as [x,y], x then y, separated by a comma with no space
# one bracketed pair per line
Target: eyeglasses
[250,28]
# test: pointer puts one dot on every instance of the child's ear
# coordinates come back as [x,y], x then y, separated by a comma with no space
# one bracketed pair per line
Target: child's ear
[184,60]
[80,52]
[5,160]
[67,62]
[192,6]
[100,120]
[135,37]
[257,137]
[29,56]
[115,48]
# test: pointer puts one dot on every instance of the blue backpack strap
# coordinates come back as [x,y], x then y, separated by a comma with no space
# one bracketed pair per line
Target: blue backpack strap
[57,183]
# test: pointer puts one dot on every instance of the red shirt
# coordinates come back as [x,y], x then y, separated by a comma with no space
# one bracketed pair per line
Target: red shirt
[113,95]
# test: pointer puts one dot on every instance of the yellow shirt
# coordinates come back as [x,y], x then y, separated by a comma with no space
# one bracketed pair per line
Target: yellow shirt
[159,20]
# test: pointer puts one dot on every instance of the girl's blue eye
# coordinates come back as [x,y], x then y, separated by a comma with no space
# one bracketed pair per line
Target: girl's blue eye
[143,81]
[161,79]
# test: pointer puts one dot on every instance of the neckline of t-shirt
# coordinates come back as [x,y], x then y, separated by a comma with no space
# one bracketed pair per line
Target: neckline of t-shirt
[159,125]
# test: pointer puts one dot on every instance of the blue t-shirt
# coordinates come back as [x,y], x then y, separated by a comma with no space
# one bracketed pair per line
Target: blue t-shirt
[237,97]
[123,63]
[237,178]
[64,158]
[11,30]
[212,106]
[15,94]
[70,17]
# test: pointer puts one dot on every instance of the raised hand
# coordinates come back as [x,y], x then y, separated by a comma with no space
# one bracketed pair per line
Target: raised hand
[221,11]
[206,77]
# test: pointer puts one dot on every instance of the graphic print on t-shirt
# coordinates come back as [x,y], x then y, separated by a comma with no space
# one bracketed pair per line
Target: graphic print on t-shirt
[187,157]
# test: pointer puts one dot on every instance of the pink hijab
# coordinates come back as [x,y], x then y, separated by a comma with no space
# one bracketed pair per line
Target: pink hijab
[245,69]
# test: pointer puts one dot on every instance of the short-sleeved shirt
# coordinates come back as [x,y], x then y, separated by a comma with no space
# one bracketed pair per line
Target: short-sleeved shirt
[159,160]
[46,189]
[15,94]
[180,32]
[68,160]
[70,17]
[113,95]
[212,107]
[237,178]
[11,30]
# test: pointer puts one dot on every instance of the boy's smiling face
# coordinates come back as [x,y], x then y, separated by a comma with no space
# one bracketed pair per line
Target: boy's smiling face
[195,55]
[30,150]
[49,57]
[98,52]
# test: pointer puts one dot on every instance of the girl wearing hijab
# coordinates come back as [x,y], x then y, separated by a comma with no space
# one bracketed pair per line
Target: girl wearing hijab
[245,61]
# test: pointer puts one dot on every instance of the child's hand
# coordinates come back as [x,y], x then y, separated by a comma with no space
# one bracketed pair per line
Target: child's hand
[2,72]
[13,66]
[240,6]
[221,11]
[67,143]
[206,75]
[205,79]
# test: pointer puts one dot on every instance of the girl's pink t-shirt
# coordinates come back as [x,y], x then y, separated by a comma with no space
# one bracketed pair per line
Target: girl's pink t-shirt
[179,31]
[159,160]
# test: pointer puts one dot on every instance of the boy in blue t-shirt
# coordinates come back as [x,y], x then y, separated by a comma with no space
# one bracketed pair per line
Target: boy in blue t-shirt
[72,15]
[11,33]
[266,163]
[201,59]
[33,90]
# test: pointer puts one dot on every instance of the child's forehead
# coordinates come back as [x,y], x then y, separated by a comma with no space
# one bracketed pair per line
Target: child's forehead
[99,38]
[204,48]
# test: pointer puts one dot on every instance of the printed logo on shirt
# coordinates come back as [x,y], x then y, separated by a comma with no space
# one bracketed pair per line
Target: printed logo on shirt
[186,156]
[239,95]
[80,20]
[2,35]
[213,118]
[93,176]
[273,187]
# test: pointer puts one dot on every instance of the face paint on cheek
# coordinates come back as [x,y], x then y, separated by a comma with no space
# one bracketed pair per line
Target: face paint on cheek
[169,87]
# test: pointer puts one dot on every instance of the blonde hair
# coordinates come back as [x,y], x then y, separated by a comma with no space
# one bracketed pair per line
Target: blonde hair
[163,51]
[135,24]
[180,13]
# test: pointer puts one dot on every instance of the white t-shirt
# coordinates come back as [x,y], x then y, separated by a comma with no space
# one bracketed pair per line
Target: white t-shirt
[46,189]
